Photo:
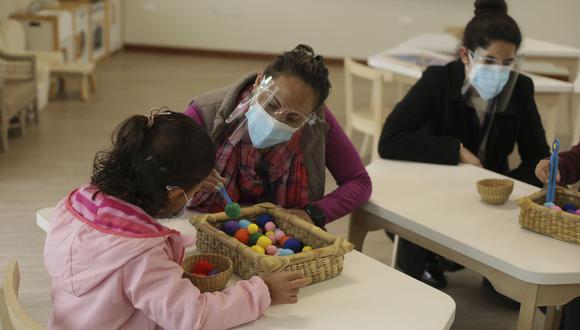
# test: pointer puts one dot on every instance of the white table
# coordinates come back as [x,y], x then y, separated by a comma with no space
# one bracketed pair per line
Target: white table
[550,94]
[438,207]
[367,295]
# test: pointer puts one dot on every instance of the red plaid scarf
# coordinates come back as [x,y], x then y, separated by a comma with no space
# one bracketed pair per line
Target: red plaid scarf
[238,160]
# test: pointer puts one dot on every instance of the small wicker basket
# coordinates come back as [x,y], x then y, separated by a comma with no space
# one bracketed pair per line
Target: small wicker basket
[324,262]
[495,191]
[209,283]
[557,224]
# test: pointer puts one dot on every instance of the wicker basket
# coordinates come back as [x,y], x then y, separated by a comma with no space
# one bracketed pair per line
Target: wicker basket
[324,262]
[558,224]
[209,283]
[495,191]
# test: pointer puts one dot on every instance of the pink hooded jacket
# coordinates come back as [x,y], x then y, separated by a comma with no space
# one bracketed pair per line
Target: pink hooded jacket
[115,267]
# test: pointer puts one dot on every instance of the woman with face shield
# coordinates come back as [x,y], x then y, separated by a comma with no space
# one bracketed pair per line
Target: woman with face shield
[474,110]
[275,138]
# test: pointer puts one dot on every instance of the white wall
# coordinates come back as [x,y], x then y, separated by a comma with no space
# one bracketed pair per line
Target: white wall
[338,28]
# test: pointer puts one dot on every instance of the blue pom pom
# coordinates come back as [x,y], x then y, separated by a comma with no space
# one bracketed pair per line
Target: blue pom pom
[263,219]
[293,244]
[569,207]
[244,223]
[230,227]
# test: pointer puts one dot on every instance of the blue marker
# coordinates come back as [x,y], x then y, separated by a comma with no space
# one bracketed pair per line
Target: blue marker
[553,172]
[226,195]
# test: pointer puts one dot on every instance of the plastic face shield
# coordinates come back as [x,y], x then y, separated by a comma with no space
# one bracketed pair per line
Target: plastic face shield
[491,78]
[267,96]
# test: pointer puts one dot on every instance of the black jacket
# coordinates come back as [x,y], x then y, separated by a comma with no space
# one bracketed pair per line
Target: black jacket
[432,120]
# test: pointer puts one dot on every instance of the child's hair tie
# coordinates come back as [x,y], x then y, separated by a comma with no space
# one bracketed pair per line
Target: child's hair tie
[154,112]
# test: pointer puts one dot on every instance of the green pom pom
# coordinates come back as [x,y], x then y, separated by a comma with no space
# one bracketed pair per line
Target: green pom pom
[233,210]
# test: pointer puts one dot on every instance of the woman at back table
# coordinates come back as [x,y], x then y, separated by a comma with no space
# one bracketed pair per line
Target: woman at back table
[474,110]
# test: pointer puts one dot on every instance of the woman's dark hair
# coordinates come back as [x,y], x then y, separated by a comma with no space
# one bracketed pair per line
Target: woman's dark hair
[490,23]
[301,62]
[150,153]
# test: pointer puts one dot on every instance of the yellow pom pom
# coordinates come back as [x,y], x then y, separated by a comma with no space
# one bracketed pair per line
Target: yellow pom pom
[264,242]
[258,249]
[253,228]
[307,248]
[270,233]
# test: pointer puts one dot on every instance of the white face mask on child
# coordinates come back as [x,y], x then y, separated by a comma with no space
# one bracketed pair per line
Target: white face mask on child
[180,213]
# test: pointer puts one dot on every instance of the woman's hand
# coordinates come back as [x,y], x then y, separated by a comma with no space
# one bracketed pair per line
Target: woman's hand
[466,157]
[301,214]
[213,183]
[543,171]
[284,286]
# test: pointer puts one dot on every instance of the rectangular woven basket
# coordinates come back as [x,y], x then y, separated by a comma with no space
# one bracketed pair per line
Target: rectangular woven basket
[323,262]
[557,224]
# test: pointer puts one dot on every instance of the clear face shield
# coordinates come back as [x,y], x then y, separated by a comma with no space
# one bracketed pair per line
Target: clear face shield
[267,119]
[491,79]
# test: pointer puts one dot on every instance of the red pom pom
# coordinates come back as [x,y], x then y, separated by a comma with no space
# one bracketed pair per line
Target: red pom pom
[202,267]
[242,235]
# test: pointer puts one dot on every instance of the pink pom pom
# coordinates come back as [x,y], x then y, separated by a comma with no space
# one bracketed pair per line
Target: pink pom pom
[271,250]
[279,235]
[556,207]
[270,226]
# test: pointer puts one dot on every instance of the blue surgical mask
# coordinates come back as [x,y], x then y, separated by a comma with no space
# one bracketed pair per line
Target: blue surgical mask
[265,131]
[489,79]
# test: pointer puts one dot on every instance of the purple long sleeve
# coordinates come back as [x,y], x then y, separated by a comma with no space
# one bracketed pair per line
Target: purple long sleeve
[354,184]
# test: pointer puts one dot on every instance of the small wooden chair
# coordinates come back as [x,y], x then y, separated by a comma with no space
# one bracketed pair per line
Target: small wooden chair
[366,120]
[12,314]
[83,72]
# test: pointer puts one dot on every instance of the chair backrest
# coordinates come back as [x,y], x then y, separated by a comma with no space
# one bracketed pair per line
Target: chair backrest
[376,77]
[13,35]
[12,314]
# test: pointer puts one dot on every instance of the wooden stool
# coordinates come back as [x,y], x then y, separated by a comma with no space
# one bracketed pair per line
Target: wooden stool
[82,71]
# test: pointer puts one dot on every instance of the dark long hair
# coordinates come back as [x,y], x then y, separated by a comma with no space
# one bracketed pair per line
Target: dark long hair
[491,23]
[148,155]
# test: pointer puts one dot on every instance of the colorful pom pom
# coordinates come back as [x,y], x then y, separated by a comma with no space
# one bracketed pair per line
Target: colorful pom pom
[264,242]
[242,235]
[202,267]
[231,227]
[307,248]
[293,244]
[244,223]
[270,226]
[258,249]
[254,238]
[253,228]
[271,250]
[233,210]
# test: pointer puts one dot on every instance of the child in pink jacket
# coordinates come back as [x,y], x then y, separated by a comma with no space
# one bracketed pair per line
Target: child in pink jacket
[114,267]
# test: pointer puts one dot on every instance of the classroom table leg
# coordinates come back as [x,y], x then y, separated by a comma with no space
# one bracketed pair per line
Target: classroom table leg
[528,307]
[356,231]
[553,316]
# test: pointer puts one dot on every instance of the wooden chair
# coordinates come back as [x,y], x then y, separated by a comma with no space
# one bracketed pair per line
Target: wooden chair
[368,121]
[18,93]
[12,314]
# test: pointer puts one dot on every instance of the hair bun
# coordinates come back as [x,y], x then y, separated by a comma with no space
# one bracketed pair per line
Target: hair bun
[494,7]
[304,50]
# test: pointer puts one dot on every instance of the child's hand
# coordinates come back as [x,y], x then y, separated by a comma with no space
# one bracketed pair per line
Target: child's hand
[465,156]
[213,182]
[543,171]
[284,286]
